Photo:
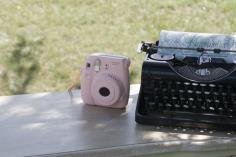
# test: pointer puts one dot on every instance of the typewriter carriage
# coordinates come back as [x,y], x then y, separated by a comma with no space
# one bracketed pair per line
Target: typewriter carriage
[192,68]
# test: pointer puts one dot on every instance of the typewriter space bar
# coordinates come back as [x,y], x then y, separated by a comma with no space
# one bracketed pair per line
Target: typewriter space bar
[195,116]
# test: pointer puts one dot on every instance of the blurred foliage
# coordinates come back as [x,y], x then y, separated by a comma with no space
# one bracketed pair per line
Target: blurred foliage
[21,65]
[73,29]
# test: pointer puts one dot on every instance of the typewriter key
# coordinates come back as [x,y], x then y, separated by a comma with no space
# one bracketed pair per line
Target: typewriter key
[151,105]
[165,99]
[169,85]
[230,112]
[164,91]
[215,95]
[156,90]
[233,100]
[220,110]
[229,88]
[212,87]
[160,106]
[177,85]
[217,103]
[233,94]
[191,101]
[207,95]
[199,102]
[224,96]
[190,93]
[203,86]
[226,104]
[186,107]
[195,86]
[157,99]
[168,106]
[160,84]
[177,107]
[220,88]
[186,85]
[208,104]
[181,93]
[194,108]
[173,92]
[182,101]
[203,107]
[174,100]
[198,94]
[212,109]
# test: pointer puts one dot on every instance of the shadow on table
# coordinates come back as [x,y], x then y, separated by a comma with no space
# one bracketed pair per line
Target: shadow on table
[45,107]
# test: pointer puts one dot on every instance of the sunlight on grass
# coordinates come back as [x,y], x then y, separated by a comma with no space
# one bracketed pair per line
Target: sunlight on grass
[73,29]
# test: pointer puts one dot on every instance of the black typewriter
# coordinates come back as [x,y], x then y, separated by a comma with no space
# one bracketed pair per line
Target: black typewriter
[188,80]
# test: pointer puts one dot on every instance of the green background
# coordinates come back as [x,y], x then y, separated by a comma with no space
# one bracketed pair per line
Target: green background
[44,43]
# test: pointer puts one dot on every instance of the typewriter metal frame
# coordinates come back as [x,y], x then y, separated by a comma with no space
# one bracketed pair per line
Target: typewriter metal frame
[153,70]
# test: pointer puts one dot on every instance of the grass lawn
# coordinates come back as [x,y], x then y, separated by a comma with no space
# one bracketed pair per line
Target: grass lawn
[53,37]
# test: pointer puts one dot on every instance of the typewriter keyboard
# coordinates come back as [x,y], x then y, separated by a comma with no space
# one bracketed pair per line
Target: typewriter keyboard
[189,98]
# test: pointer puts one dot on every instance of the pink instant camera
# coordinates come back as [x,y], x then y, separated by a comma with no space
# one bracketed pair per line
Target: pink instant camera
[105,81]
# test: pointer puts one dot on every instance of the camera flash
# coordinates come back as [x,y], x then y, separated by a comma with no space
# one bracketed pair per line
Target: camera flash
[97,65]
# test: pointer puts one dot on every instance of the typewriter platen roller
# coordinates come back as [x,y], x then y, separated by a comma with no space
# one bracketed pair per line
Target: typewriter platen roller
[188,79]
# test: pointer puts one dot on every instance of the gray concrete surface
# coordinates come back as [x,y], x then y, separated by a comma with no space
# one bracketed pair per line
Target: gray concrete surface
[51,124]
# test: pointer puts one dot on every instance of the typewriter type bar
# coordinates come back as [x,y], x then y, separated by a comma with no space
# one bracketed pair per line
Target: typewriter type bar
[166,98]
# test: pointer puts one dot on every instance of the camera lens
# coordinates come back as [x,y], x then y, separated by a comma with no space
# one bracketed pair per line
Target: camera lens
[104,91]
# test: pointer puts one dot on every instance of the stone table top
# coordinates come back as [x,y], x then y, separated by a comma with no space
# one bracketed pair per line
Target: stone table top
[52,124]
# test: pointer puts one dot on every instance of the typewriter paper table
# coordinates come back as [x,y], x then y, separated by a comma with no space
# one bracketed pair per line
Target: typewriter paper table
[50,124]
